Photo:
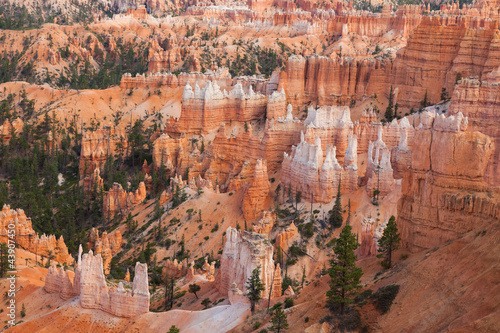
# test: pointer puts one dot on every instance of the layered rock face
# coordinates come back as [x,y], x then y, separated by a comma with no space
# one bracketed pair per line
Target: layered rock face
[106,246]
[444,193]
[58,281]
[27,238]
[205,109]
[479,101]
[118,200]
[256,196]
[367,246]
[90,284]
[276,105]
[286,237]
[379,170]
[158,62]
[332,81]
[317,179]
[98,145]
[95,294]
[438,49]
[265,224]
[243,252]
[401,157]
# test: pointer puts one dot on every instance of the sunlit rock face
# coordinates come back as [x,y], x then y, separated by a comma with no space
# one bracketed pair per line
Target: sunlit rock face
[445,192]
[243,252]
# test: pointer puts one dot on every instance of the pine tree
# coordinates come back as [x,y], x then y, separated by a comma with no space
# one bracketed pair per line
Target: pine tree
[4,259]
[336,212]
[344,274]
[254,287]
[194,288]
[169,292]
[279,322]
[388,243]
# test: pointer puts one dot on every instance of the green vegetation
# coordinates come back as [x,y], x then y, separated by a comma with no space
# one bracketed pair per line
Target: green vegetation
[389,242]
[194,288]
[173,329]
[254,287]
[279,321]
[345,276]
[385,296]
[336,212]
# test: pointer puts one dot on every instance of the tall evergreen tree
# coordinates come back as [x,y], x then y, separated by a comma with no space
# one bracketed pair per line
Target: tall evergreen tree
[4,259]
[279,322]
[255,287]
[344,274]
[336,212]
[388,243]
[389,112]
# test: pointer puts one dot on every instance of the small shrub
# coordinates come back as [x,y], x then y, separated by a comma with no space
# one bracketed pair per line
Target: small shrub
[385,296]
[404,256]
[275,306]
[350,321]
[326,319]
[306,319]
[364,295]
[288,302]
[256,325]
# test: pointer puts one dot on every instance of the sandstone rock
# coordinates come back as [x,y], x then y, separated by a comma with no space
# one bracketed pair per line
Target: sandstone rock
[444,193]
[256,196]
[26,237]
[317,179]
[98,145]
[127,276]
[401,157]
[175,269]
[243,252]
[477,101]
[285,238]
[8,128]
[93,182]
[265,224]
[277,281]
[276,105]
[106,246]
[118,200]
[289,291]
[204,109]
[368,247]
[189,275]
[95,294]
[235,295]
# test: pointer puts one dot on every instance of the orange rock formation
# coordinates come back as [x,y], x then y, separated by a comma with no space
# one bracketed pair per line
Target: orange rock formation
[118,200]
[445,192]
[28,239]
[256,195]
[90,284]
